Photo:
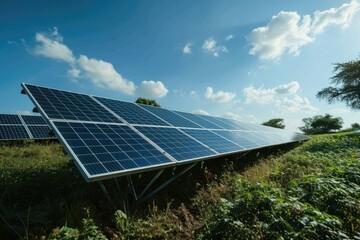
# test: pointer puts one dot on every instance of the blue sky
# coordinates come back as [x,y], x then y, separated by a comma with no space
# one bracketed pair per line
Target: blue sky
[250,61]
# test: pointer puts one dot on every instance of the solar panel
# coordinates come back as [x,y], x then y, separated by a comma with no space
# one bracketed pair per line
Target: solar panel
[131,112]
[170,117]
[20,127]
[9,119]
[13,132]
[216,142]
[109,138]
[109,149]
[177,144]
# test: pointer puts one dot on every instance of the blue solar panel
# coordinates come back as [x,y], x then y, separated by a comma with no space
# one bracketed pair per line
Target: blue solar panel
[9,119]
[218,121]
[198,120]
[170,117]
[176,143]
[219,144]
[109,149]
[236,137]
[33,120]
[40,132]
[13,132]
[66,105]
[131,112]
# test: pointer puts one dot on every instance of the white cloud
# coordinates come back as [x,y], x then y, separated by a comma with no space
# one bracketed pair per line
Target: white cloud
[288,31]
[51,46]
[283,96]
[335,16]
[219,96]
[102,74]
[201,112]
[187,48]
[209,46]
[245,118]
[229,37]
[285,32]
[152,89]
[232,116]
[297,104]
[263,96]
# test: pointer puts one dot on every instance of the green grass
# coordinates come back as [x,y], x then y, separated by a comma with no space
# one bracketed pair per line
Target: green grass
[307,192]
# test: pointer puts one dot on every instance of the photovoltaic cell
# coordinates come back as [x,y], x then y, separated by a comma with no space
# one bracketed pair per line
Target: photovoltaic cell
[33,120]
[219,144]
[40,132]
[71,106]
[219,122]
[12,132]
[131,112]
[237,138]
[9,119]
[109,149]
[176,143]
[170,117]
[198,120]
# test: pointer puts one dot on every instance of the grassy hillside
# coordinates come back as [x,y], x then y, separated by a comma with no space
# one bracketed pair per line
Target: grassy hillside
[309,192]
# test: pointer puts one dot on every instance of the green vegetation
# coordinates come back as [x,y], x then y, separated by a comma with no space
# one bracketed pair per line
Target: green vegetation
[275,122]
[309,192]
[147,102]
[347,85]
[321,124]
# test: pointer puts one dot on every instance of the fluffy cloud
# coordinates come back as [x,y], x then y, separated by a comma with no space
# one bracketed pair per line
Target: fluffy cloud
[335,16]
[263,96]
[288,31]
[100,73]
[219,96]
[246,118]
[51,46]
[152,89]
[229,37]
[201,112]
[187,48]
[194,95]
[210,46]
[280,96]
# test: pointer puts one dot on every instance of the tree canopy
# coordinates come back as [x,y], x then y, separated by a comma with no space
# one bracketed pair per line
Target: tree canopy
[347,85]
[321,124]
[275,122]
[147,102]
[355,126]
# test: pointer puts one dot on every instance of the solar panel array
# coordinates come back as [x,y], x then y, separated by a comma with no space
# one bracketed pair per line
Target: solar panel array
[109,138]
[20,127]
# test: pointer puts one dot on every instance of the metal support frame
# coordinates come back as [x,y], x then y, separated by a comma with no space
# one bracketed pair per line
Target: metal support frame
[163,185]
[103,188]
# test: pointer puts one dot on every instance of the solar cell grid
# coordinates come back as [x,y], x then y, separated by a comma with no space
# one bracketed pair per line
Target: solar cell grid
[131,112]
[237,138]
[40,132]
[219,122]
[214,141]
[176,143]
[9,119]
[103,148]
[12,132]
[71,106]
[171,117]
[198,120]
[33,120]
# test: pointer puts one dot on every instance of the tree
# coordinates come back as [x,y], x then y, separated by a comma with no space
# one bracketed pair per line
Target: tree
[321,124]
[347,85]
[355,126]
[275,122]
[147,102]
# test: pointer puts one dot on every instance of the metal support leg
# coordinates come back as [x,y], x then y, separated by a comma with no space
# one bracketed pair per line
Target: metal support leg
[132,187]
[103,188]
[151,183]
[166,183]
